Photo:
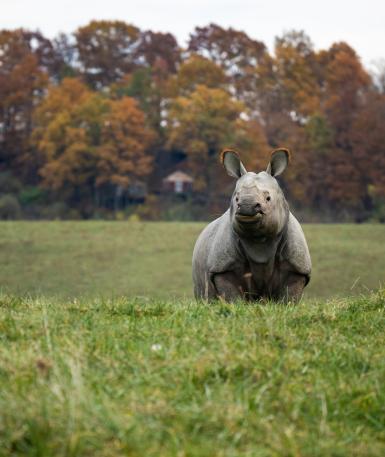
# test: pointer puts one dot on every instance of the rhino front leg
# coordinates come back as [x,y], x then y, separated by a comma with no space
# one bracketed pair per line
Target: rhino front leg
[228,286]
[293,287]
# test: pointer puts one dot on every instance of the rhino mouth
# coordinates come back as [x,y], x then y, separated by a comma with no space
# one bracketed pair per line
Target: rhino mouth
[250,219]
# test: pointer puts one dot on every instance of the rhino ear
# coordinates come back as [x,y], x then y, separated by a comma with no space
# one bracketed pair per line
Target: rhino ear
[232,163]
[278,162]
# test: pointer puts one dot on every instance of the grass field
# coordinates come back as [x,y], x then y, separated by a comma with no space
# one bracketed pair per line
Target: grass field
[153,378]
[103,352]
[153,260]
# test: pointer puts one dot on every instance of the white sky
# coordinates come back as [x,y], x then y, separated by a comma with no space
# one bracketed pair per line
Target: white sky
[360,23]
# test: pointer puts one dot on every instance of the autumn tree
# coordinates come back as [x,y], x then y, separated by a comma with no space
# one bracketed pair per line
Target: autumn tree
[296,69]
[23,78]
[151,93]
[233,50]
[107,51]
[197,70]
[89,145]
[159,51]
[156,58]
[66,137]
[122,156]
[250,139]
[345,81]
[368,143]
[139,85]
[204,123]
[239,55]
[368,140]
[65,52]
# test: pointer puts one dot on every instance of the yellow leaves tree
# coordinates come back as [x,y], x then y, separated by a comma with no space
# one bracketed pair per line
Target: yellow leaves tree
[123,152]
[296,65]
[201,124]
[251,141]
[195,71]
[204,123]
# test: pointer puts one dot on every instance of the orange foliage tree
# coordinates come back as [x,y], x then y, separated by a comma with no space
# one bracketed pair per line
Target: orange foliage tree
[66,135]
[89,144]
[124,141]
[345,85]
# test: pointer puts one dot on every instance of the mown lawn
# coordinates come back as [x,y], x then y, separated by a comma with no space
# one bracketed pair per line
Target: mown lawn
[153,260]
[177,378]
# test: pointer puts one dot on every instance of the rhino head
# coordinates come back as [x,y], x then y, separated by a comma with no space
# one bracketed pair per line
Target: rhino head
[258,206]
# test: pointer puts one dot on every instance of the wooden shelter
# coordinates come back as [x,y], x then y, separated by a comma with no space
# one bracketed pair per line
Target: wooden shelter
[178,182]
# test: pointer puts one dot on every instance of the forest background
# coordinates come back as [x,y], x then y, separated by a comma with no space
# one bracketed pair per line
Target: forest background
[92,122]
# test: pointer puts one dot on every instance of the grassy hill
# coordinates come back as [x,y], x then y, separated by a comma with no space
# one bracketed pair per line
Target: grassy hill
[175,378]
[105,259]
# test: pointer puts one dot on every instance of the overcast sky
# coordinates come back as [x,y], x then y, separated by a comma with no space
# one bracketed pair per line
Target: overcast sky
[360,23]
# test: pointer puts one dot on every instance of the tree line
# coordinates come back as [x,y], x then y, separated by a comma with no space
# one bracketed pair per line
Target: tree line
[87,116]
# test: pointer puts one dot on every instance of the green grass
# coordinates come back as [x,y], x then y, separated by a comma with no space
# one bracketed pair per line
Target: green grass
[104,353]
[111,259]
[176,378]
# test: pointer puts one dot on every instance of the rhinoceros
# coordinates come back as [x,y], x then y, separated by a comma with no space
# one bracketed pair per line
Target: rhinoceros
[256,249]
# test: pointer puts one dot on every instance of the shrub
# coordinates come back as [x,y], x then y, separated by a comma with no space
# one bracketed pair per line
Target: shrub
[9,207]
[59,210]
[151,210]
[9,184]
[30,195]
[379,211]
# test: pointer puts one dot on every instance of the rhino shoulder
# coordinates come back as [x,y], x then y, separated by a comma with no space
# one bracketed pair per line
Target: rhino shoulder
[216,246]
[294,249]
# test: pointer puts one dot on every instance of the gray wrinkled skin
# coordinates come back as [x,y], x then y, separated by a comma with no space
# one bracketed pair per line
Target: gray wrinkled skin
[256,249]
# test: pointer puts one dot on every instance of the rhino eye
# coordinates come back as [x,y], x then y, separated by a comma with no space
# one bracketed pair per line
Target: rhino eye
[268,198]
[237,199]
